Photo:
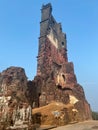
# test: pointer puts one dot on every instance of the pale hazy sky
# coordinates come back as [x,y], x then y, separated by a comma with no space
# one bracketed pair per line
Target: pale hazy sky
[19,32]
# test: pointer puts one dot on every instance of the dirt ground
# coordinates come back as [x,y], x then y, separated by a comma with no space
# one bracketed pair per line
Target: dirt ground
[86,125]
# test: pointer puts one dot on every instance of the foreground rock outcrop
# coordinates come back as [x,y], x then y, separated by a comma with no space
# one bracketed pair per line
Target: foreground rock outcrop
[14,106]
[55,114]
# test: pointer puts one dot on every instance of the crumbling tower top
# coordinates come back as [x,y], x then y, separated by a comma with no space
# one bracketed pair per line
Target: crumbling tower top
[46,11]
[49,25]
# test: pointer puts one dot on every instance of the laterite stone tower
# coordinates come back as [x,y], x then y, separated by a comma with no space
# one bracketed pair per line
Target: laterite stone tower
[55,79]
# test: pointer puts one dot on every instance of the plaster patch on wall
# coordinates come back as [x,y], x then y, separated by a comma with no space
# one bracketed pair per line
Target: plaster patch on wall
[74,110]
[60,79]
[53,40]
[73,99]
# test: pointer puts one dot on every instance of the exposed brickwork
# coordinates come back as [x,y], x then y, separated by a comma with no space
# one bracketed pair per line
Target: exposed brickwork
[56,80]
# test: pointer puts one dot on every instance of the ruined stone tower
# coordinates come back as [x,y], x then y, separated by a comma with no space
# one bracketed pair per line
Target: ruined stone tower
[56,80]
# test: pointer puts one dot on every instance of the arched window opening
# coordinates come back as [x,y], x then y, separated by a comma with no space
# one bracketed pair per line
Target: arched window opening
[64,77]
[63,43]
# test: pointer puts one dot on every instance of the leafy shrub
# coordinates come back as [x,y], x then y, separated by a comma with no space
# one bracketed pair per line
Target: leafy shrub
[95,115]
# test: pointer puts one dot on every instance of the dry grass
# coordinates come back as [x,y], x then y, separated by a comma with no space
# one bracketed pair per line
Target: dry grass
[54,106]
[47,116]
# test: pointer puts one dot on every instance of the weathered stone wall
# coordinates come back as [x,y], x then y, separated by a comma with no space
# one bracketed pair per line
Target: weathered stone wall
[56,80]
[14,106]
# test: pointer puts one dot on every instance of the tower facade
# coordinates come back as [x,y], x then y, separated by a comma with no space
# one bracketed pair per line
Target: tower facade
[55,79]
